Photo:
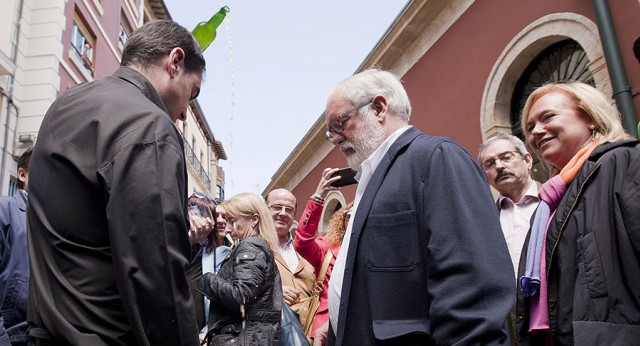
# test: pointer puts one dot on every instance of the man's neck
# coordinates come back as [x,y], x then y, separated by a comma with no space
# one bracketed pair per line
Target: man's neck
[517,195]
[283,240]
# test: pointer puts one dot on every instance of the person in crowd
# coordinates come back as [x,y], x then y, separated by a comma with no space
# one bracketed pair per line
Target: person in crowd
[246,294]
[296,273]
[416,265]
[315,249]
[107,216]
[208,252]
[507,164]
[582,276]
[14,260]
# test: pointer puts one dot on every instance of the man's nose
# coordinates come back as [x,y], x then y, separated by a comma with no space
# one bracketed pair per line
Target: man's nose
[499,164]
[337,138]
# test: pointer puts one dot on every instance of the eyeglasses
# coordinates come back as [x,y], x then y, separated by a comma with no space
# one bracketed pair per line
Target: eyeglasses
[337,126]
[278,208]
[505,158]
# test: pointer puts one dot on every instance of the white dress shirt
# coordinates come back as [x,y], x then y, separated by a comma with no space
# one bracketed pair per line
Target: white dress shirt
[289,254]
[337,274]
[515,220]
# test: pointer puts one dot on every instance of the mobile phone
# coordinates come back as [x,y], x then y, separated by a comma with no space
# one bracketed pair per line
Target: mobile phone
[347,177]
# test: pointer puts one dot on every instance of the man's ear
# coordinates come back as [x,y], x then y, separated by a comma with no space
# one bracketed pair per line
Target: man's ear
[528,159]
[379,104]
[22,174]
[176,61]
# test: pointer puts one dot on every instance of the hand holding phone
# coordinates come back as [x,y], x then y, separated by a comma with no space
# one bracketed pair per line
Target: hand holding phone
[347,177]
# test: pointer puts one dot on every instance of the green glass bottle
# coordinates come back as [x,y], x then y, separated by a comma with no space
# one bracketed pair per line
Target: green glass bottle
[205,32]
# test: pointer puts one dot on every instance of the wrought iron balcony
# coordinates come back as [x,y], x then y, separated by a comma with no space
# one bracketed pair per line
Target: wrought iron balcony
[195,163]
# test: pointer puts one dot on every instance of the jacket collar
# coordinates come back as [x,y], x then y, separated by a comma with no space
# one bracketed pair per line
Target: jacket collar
[278,257]
[141,82]
[605,147]
[376,181]
[21,197]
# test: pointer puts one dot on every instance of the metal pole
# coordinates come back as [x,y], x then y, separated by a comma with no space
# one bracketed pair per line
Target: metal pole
[621,89]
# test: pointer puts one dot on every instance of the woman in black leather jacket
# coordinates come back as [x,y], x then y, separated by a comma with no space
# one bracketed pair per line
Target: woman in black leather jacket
[246,295]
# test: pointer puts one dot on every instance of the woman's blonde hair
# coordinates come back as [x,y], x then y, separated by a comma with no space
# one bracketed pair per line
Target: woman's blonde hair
[338,224]
[590,103]
[248,204]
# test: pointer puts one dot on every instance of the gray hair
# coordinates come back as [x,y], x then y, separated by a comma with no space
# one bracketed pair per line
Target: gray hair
[150,42]
[365,85]
[517,143]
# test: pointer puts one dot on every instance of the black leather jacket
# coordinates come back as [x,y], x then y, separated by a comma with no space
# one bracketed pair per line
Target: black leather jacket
[593,254]
[248,283]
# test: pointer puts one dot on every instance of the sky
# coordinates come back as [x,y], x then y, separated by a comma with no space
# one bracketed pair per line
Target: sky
[269,71]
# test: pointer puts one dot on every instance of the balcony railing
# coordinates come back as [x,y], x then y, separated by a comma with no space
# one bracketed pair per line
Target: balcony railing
[195,163]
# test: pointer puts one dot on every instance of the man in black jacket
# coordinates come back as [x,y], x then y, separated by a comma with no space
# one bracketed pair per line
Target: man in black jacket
[108,235]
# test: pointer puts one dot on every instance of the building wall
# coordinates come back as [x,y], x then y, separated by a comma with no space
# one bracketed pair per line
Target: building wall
[46,65]
[460,68]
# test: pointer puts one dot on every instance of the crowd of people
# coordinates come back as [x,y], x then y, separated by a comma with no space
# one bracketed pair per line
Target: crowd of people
[423,255]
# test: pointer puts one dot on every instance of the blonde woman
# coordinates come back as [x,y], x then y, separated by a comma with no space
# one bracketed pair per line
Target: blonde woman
[582,277]
[246,295]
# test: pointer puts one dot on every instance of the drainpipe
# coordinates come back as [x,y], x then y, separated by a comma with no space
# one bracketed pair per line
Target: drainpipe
[621,89]
[9,96]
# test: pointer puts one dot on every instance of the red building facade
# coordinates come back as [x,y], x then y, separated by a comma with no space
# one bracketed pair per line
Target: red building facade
[467,66]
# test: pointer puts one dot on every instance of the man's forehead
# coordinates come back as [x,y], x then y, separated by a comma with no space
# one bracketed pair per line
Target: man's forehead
[498,146]
[281,197]
[335,105]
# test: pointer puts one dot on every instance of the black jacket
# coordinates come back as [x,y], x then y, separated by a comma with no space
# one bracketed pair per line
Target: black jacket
[107,226]
[248,281]
[593,253]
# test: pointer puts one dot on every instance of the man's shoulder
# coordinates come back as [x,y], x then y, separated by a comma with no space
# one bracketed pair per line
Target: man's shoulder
[427,144]
[423,139]
[8,201]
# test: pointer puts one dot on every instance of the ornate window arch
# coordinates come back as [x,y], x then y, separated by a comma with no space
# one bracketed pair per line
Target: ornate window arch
[334,201]
[495,112]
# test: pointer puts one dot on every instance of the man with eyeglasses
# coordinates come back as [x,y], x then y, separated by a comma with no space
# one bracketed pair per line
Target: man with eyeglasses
[423,260]
[507,164]
[296,273]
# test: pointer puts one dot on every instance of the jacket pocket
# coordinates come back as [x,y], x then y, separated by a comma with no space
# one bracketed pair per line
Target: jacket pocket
[388,329]
[393,243]
[592,265]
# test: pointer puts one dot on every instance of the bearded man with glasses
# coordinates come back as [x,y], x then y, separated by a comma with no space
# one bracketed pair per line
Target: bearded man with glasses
[423,260]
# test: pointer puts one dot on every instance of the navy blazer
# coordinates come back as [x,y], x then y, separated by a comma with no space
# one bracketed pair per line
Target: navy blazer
[427,262]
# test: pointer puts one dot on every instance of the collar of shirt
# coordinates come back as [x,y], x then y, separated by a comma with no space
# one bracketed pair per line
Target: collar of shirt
[530,196]
[369,165]
[286,245]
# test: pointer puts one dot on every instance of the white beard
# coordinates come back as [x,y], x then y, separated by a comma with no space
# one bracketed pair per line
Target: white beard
[364,143]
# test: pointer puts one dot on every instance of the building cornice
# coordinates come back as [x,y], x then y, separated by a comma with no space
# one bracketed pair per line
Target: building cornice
[158,8]
[413,32]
